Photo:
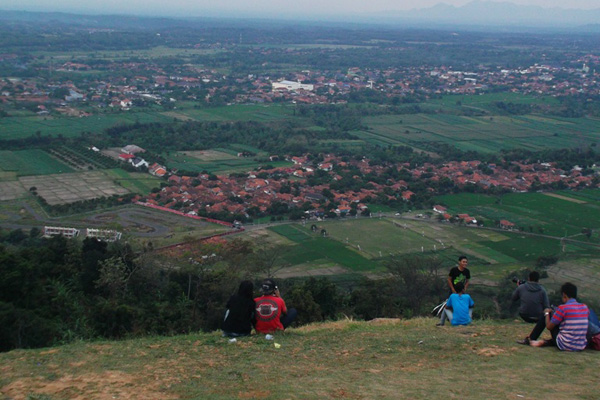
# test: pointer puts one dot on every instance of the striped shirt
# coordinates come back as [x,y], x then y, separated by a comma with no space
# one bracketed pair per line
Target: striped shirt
[572,320]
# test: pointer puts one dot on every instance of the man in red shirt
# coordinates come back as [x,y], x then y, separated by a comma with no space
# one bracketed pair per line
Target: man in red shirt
[271,313]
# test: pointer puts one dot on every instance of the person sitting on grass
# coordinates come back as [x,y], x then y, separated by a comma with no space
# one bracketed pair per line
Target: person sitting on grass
[271,312]
[459,308]
[239,317]
[568,323]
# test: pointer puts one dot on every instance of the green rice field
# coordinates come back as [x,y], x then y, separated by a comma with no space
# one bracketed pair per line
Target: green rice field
[31,162]
[239,112]
[483,134]
[555,216]
[225,166]
[22,127]
[155,52]
[493,254]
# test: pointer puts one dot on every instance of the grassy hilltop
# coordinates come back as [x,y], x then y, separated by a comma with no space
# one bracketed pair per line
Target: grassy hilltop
[387,358]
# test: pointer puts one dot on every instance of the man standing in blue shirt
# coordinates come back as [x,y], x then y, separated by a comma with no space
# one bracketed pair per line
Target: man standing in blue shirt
[459,307]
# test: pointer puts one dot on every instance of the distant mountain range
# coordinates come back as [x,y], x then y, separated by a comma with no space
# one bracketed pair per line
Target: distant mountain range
[479,14]
[498,13]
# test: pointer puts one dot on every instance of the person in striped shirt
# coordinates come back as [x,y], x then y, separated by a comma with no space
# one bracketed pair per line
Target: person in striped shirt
[568,324]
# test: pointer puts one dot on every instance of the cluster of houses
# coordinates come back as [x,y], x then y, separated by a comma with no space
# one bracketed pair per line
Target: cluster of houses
[466,219]
[132,154]
[290,185]
[149,83]
[238,195]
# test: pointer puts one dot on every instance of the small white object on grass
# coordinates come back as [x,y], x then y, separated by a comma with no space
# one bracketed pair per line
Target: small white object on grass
[232,340]
[269,337]
[277,345]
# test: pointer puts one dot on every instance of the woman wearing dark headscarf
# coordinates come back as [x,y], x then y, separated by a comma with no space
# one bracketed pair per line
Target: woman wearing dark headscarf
[239,317]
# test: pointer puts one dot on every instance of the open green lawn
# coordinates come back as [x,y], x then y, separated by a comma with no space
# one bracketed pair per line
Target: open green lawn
[312,247]
[30,162]
[380,359]
[377,237]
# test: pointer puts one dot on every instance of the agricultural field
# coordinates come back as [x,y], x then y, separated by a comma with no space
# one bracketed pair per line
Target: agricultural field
[487,134]
[203,155]
[485,101]
[72,187]
[221,161]
[238,112]
[26,126]
[363,245]
[562,214]
[155,52]
[30,162]
[135,182]
[11,190]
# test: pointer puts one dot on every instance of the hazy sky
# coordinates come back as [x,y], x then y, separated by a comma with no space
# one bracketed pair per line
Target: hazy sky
[255,7]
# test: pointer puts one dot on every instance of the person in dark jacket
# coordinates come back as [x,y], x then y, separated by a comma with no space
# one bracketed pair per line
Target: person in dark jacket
[239,317]
[533,297]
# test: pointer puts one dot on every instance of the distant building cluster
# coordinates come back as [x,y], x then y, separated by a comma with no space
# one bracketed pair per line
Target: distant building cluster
[150,84]
[105,235]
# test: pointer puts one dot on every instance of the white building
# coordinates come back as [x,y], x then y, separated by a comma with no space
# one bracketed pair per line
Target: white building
[60,230]
[106,235]
[292,86]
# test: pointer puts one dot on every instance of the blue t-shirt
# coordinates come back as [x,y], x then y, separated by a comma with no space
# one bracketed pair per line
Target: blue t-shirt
[460,308]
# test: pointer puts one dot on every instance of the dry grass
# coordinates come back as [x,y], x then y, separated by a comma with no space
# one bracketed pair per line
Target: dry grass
[380,359]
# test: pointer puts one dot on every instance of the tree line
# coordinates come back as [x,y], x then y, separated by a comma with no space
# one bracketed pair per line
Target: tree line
[56,290]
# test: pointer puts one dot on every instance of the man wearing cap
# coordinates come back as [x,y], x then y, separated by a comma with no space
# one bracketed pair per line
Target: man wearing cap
[271,313]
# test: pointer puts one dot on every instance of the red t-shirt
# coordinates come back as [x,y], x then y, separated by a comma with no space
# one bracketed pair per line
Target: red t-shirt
[268,312]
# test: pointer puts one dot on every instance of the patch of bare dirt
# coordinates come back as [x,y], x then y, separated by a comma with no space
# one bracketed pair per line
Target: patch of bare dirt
[572,200]
[108,385]
[492,351]
[254,394]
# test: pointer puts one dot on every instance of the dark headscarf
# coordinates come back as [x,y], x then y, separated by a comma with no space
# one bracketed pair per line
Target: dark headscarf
[246,289]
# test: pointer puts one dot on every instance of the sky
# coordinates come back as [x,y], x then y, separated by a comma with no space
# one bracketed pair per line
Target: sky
[269,8]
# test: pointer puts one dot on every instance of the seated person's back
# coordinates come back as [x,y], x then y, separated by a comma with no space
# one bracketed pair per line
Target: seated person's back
[459,304]
[269,309]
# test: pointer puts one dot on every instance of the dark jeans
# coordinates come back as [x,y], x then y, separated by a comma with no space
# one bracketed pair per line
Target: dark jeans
[234,334]
[538,329]
[288,318]
[530,319]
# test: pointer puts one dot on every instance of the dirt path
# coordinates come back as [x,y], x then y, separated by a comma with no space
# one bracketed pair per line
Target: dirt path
[572,200]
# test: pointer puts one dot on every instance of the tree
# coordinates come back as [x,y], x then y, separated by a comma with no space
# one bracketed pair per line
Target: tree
[418,280]
[114,276]
[267,259]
